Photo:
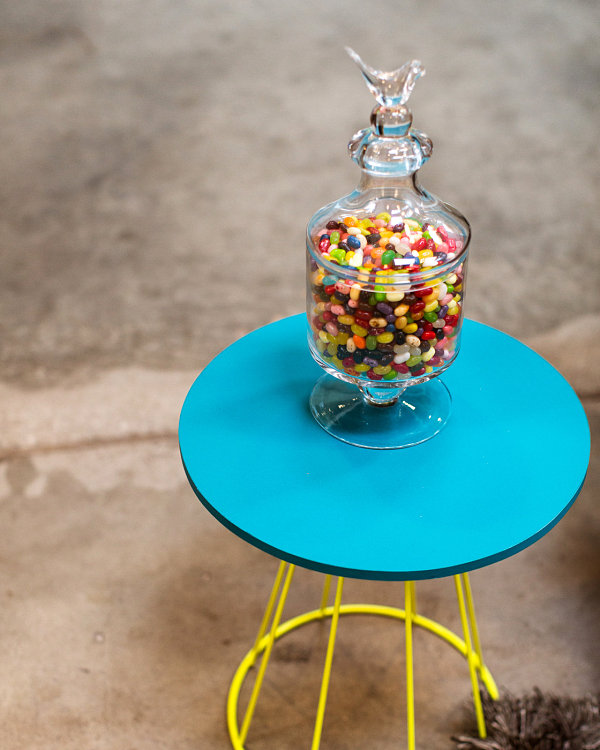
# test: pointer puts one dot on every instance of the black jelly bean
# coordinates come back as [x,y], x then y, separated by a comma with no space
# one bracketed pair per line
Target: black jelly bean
[400,337]
[424,347]
[358,356]
[344,245]
[397,227]
[343,328]
[342,352]
[387,359]
[332,225]
[365,307]
[373,238]
[363,296]
[439,334]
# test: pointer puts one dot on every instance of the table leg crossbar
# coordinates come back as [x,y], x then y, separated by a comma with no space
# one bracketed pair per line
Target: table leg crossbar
[469,646]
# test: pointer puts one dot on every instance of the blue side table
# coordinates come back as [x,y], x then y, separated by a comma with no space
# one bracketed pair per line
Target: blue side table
[263,467]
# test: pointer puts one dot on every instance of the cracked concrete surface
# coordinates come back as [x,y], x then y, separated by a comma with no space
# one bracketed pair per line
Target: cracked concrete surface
[135,132]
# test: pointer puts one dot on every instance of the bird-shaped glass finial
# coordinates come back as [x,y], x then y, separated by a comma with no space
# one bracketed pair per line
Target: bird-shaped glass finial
[390,88]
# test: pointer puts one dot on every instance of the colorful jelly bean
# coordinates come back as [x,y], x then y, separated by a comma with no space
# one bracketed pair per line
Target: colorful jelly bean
[364,325]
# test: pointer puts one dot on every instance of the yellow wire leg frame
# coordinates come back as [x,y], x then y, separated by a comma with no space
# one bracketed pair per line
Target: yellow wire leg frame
[271,629]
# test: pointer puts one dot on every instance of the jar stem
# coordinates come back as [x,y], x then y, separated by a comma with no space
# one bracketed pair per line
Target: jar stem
[381,396]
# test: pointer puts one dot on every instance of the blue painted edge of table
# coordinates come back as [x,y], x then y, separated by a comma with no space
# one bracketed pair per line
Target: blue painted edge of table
[377,574]
[373,575]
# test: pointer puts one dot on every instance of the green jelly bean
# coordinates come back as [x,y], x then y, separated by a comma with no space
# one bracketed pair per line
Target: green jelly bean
[391,375]
[388,257]
[338,254]
[450,288]
[371,342]
[334,237]
[332,348]
[430,317]
[413,361]
[373,300]
[379,293]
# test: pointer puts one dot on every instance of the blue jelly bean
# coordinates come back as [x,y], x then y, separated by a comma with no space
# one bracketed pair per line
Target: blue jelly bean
[353,242]
[391,328]
[329,280]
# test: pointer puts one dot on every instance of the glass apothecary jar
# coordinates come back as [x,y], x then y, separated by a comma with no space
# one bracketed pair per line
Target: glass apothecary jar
[386,269]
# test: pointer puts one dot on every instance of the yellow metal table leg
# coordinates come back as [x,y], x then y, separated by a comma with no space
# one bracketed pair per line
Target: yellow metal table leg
[409,595]
[325,595]
[327,669]
[470,658]
[265,659]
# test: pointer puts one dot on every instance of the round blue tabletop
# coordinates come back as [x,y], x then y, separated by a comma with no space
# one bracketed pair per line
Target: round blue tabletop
[507,466]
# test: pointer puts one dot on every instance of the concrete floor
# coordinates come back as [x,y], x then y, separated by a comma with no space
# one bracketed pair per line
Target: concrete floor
[135,132]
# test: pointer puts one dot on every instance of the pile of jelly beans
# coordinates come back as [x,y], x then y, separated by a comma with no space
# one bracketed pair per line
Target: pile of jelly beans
[365,326]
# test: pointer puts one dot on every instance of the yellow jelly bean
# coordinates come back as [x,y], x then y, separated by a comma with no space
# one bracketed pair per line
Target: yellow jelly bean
[450,279]
[359,330]
[342,338]
[355,291]
[337,362]
[347,320]
[394,296]
[386,233]
[384,216]
[330,339]
[361,368]
[431,306]
[428,355]
[331,347]
[349,255]
[323,336]
[427,253]
[382,369]
[401,322]
[428,368]
[410,328]
[365,223]
[401,310]
[319,308]
[385,338]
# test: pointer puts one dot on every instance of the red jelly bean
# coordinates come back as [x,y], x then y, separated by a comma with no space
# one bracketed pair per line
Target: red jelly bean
[420,371]
[401,368]
[374,376]
[427,326]
[451,320]
[420,244]
[324,244]
[435,361]
[422,293]
[317,323]
[413,269]
[363,315]
[427,335]
[447,329]
[328,316]
[417,307]
[330,289]
[348,362]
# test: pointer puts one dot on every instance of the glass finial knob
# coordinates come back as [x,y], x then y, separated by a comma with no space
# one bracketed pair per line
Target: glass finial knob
[391,88]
